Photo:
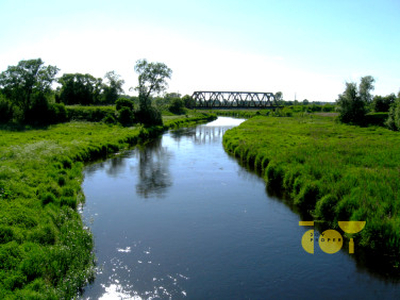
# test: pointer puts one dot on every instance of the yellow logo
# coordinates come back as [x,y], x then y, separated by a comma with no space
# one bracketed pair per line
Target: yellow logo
[330,241]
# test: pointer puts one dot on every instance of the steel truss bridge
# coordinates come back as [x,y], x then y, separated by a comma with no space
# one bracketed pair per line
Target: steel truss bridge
[209,99]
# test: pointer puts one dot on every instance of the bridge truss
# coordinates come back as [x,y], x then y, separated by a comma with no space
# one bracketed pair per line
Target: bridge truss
[209,99]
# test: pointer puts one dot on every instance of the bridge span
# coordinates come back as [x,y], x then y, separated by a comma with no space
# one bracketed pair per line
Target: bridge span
[213,99]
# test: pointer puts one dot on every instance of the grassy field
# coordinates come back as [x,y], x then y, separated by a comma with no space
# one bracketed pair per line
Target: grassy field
[45,251]
[335,172]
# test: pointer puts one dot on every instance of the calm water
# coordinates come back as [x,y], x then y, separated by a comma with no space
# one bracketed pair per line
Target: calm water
[181,219]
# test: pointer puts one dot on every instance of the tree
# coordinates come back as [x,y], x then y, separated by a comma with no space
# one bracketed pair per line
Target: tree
[278,96]
[188,101]
[27,82]
[393,122]
[177,106]
[351,105]
[113,88]
[80,89]
[152,80]
[365,88]
[382,104]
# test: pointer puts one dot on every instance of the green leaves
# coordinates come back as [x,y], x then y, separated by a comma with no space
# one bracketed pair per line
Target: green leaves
[20,82]
[152,77]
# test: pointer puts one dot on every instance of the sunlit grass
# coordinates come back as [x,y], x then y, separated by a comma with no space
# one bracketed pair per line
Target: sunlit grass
[45,252]
[337,172]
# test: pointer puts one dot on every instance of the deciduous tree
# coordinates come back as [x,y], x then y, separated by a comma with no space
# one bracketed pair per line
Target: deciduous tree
[152,80]
[27,81]
[112,88]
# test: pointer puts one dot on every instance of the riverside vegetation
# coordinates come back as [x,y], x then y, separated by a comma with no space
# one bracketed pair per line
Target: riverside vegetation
[334,171]
[45,251]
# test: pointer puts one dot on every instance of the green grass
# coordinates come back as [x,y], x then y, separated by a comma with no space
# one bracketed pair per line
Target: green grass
[45,251]
[336,172]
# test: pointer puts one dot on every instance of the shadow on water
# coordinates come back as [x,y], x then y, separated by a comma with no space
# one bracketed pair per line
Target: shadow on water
[375,264]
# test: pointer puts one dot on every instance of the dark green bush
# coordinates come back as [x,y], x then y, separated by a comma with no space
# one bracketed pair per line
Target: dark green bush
[124,102]
[177,106]
[125,116]
[89,113]
[57,113]
[149,116]
[6,110]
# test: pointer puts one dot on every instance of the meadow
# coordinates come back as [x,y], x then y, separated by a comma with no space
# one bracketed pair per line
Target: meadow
[45,250]
[330,171]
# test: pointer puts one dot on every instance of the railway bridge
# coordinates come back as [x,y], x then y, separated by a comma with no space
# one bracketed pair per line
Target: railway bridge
[214,99]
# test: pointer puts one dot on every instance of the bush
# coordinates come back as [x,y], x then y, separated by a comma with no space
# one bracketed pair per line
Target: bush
[393,122]
[38,112]
[125,116]
[149,116]
[109,119]
[89,113]
[6,110]
[57,113]
[124,102]
[177,106]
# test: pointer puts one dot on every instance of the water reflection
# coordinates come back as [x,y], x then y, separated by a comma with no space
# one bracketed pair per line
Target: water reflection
[200,135]
[215,235]
[154,174]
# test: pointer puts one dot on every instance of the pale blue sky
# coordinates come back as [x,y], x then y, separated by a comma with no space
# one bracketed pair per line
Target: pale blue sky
[308,48]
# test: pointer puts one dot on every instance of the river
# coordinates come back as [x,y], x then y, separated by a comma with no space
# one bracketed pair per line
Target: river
[179,218]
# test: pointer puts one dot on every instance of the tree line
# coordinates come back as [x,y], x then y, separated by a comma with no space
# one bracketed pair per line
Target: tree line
[28,96]
[356,102]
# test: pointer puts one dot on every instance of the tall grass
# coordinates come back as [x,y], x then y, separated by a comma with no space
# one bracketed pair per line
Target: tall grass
[336,172]
[45,251]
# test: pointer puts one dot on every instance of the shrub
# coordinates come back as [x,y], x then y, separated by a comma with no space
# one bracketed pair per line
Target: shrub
[149,116]
[125,116]
[109,119]
[177,106]
[393,121]
[57,113]
[6,110]
[89,113]
[124,102]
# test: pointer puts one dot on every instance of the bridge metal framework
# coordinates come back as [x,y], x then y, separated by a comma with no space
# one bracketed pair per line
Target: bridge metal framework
[212,99]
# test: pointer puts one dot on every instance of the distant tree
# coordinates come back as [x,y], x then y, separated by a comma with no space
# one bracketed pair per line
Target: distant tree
[152,80]
[112,88]
[351,106]
[382,104]
[365,88]
[177,106]
[188,101]
[27,83]
[79,88]
[173,95]
[306,102]
[393,121]
[278,97]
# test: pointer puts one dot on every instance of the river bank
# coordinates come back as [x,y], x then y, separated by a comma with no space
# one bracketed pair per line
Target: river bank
[45,251]
[335,172]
